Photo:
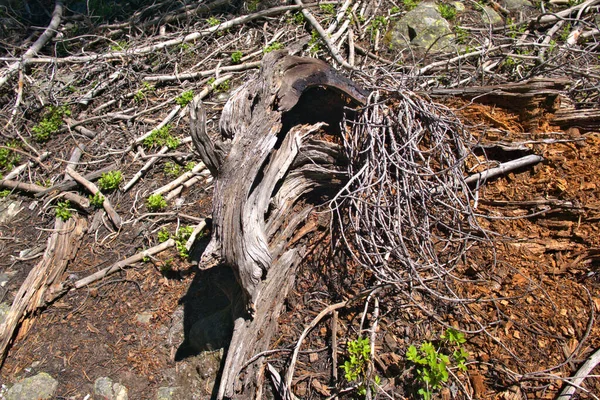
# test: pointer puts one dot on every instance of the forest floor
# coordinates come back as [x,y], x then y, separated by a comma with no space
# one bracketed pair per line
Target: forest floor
[134,326]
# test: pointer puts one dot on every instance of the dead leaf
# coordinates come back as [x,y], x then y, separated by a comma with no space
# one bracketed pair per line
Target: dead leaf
[319,387]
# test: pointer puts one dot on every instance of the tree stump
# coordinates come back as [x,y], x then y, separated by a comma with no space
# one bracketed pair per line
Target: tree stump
[276,161]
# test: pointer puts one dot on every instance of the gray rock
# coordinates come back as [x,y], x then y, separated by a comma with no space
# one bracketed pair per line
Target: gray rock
[516,5]
[41,386]
[424,28]
[460,6]
[4,309]
[9,209]
[490,16]
[165,393]
[144,317]
[212,332]
[105,388]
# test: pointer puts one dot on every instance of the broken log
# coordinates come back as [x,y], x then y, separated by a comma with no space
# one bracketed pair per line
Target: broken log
[271,168]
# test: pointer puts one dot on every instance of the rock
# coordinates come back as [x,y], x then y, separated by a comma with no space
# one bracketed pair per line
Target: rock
[516,5]
[106,389]
[212,332]
[423,27]
[490,16]
[460,6]
[165,393]
[4,309]
[9,209]
[40,386]
[144,317]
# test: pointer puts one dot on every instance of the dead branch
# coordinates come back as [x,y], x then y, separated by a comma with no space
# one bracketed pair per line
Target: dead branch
[44,281]
[36,190]
[123,263]
[93,189]
[503,169]
[580,375]
[48,34]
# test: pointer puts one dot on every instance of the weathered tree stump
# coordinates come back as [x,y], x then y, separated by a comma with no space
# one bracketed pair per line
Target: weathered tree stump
[271,168]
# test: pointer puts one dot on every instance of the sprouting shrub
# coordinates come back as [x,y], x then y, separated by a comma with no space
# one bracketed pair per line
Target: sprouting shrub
[119,46]
[447,11]
[110,180]
[185,98]
[172,169]
[181,239]
[163,235]
[356,366]
[273,46]
[50,123]
[161,137]
[328,8]
[432,363]
[97,200]
[461,35]
[376,24]
[189,166]
[62,210]
[212,21]
[314,44]
[156,202]
[141,93]
[4,193]
[8,157]
[298,18]
[236,57]
[410,4]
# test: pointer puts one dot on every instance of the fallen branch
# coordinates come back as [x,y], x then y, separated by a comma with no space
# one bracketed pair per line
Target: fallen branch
[202,74]
[70,185]
[76,199]
[579,376]
[122,264]
[93,189]
[503,168]
[39,43]
[42,282]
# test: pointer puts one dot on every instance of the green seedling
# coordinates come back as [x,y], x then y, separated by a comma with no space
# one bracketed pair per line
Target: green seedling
[8,157]
[447,11]
[328,8]
[410,4]
[432,363]
[156,202]
[212,21]
[172,169]
[181,239]
[4,193]
[356,366]
[377,24]
[97,200]
[50,123]
[161,137]
[110,180]
[236,57]
[62,210]
[185,98]
[273,46]
[163,235]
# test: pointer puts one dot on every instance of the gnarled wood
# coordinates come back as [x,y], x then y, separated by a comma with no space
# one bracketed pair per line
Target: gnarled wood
[262,205]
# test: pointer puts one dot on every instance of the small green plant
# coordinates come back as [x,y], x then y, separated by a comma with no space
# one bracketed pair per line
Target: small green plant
[298,18]
[8,157]
[163,235]
[212,21]
[515,30]
[119,46]
[461,35]
[314,44]
[4,193]
[236,57]
[185,98]
[395,10]
[328,8]
[447,11]
[172,169]
[356,367]
[97,200]
[224,86]
[565,32]
[253,5]
[181,239]
[110,180]
[184,47]
[141,93]
[156,202]
[161,137]
[273,46]
[432,363]
[377,24]
[189,166]
[62,210]
[50,123]
[410,4]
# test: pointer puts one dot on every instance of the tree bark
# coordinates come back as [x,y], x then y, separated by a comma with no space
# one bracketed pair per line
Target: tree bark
[263,183]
